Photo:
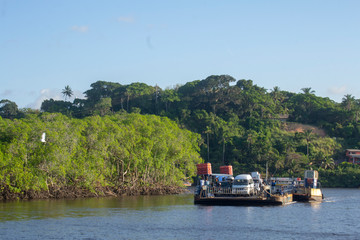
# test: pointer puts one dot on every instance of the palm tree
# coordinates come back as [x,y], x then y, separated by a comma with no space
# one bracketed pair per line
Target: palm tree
[351,105]
[308,91]
[308,136]
[357,109]
[278,98]
[67,92]
[328,163]
[348,102]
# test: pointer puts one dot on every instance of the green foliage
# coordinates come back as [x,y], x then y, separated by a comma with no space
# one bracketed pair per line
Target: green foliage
[343,175]
[239,122]
[8,109]
[103,107]
[116,150]
[56,106]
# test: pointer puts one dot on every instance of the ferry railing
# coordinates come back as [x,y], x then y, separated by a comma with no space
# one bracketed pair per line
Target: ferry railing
[209,191]
[222,191]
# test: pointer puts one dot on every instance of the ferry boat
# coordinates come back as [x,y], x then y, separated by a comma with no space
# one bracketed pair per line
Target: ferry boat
[224,189]
[213,196]
[309,189]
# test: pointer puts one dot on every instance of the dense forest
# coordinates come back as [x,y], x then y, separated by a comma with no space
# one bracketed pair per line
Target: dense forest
[225,121]
[119,153]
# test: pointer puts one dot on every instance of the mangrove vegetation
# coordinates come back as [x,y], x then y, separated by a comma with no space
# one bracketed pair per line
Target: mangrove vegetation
[117,154]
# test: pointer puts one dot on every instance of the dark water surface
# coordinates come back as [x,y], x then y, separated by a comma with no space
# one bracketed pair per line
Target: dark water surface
[176,217]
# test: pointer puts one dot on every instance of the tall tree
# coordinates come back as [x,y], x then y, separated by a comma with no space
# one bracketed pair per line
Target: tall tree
[169,96]
[137,89]
[278,98]
[99,90]
[67,92]
[8,109]
[308,135]
[348,101]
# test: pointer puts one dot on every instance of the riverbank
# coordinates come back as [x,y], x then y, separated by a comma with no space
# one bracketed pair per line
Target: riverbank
[72,192]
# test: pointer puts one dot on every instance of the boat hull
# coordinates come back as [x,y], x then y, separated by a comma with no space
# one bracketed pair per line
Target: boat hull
[309,195]
[244,201]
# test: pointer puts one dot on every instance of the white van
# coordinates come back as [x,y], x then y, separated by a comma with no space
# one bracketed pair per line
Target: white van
[243,185]
[257,181]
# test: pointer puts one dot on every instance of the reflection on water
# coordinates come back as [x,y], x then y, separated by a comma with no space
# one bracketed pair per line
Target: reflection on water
[315,206]
[176,217]
[38,209]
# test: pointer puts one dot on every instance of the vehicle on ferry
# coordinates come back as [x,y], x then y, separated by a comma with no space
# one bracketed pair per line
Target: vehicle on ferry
[281,185]
[243,185]
[258,182]
[224,189]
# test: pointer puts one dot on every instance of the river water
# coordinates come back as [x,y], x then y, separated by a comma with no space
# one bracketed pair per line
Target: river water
[176,217]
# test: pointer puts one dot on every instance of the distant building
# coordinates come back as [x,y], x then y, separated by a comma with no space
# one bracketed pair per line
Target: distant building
[353,156]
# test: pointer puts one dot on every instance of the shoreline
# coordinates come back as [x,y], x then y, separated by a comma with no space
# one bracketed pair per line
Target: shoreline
[73,192]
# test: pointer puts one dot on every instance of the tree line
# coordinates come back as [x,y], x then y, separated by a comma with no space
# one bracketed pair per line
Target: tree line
[121,151]
[240,123]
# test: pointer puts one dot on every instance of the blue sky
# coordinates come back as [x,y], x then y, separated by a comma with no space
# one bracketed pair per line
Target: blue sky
[46,45]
